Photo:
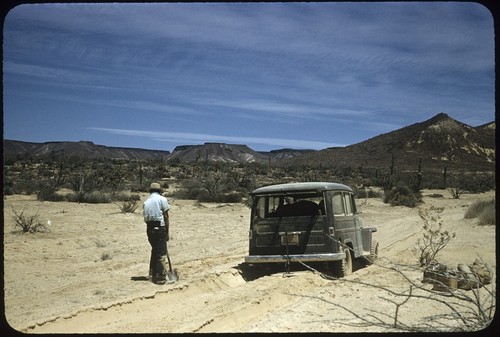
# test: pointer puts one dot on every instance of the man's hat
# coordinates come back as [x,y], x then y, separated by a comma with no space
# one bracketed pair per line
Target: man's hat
[155,187]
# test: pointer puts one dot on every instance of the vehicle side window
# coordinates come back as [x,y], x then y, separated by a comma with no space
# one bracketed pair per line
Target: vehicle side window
[354,208]
[348,203]
[260,209]
[337,203]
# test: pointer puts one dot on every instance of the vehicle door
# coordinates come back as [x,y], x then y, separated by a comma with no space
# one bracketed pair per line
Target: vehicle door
[350,207]
[346,227]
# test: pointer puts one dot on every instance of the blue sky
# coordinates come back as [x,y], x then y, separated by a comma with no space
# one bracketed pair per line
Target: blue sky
[268,75]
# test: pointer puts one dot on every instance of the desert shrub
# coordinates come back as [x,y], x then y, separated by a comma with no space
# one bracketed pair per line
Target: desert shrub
[362,193]
[74,197]
[479,183]
[434,238]
[248,202]
[135,197]
[8,190]
[402,196]
[230,197]
[204,196]
[125,197]
[191,189]
[455,192]
[97,198]
[212,187]
[484,210]
[90,198]
[28,223]
[488,217]
[137,187]
[128,206]
[48,193]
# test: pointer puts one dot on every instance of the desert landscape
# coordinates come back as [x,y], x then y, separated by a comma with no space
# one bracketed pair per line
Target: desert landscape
[87,272]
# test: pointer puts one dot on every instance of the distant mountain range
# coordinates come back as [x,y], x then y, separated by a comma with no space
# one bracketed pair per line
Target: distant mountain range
[81,148]
[437,142]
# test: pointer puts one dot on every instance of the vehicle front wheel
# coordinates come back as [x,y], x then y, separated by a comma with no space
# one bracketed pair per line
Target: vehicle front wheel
[343,267]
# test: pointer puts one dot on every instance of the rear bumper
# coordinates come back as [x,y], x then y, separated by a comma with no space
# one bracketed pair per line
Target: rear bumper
[298,257]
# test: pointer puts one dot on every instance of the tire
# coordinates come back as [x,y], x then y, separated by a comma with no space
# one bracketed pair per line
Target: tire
[373,252]
[343,267]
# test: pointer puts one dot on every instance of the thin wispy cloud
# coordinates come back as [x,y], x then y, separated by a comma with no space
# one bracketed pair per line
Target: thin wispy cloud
[176,137]
[333,73]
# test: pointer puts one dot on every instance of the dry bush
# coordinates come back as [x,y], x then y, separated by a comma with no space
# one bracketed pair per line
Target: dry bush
[462,310]
[402,196]
[128,206]
[434,238]
[28,223]
[455,192]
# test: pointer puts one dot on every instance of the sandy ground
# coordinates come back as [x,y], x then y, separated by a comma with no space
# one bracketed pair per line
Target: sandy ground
[87,273]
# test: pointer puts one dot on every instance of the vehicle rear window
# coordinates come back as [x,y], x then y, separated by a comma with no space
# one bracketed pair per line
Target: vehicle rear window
[304,204]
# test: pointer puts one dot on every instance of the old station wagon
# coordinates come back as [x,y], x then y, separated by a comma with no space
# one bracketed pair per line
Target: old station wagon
[308,222]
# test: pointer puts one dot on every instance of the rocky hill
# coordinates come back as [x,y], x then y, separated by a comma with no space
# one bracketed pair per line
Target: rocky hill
[82,148]
[437,142]
[216,152]
[285,153]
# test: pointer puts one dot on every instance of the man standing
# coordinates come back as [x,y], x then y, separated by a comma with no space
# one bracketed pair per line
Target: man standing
[156,217]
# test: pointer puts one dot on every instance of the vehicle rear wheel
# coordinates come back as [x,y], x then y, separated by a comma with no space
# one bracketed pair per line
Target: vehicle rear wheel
[373,252]
[343,267]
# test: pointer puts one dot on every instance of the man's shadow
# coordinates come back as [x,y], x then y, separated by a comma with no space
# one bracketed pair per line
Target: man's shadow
[139,278]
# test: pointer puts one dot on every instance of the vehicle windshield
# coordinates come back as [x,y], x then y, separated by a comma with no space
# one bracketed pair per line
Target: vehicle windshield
[286,205]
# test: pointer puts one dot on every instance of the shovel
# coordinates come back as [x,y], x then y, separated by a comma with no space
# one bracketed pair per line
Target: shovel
[171,275]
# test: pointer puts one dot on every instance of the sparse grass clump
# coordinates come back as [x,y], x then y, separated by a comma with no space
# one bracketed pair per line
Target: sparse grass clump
[484,210]
[106,256]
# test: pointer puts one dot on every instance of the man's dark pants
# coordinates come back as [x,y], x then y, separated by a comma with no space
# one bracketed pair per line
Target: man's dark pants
[157,237]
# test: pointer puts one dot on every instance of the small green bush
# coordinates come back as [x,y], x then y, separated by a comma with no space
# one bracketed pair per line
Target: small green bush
[484,210]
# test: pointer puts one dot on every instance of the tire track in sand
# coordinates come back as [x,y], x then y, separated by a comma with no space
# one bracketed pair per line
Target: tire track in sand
[215,302]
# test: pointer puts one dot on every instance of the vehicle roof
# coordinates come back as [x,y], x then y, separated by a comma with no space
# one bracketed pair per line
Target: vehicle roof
[301,187]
